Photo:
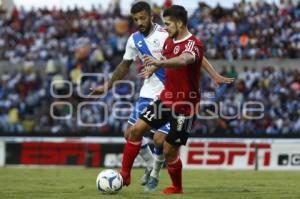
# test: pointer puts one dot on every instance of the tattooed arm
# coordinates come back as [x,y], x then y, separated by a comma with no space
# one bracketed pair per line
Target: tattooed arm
[119,73]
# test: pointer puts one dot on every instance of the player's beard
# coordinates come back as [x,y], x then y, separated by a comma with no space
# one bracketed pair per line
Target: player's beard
[146,29]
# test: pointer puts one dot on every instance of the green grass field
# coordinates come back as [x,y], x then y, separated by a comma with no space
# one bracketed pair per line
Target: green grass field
[79,183]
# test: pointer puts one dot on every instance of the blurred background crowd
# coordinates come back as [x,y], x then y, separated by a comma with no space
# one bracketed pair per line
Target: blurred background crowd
[252,30]
[64,44]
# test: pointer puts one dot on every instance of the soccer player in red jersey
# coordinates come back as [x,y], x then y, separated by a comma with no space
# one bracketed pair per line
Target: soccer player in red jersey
[178,101]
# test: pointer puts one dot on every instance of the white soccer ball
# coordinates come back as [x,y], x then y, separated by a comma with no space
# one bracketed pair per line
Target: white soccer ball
[109,181]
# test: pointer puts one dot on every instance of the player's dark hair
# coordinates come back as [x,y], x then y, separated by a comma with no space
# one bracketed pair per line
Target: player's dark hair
[140,6]
[176,12]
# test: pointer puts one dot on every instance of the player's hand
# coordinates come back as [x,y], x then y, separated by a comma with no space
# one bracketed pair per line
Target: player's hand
[100,90]
[219,79]
[147,72]
[148,61]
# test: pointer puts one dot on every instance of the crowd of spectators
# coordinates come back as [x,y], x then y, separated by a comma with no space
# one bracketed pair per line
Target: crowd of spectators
[52,99]
[26,99]
[252,30]
[248,30]
[278,91]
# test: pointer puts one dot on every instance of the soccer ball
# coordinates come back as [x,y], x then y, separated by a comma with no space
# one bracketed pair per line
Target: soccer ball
[109,181]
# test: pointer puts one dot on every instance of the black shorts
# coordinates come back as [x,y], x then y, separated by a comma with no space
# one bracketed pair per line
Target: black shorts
[157,114]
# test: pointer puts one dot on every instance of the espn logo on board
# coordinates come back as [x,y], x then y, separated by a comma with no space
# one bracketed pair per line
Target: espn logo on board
[227,154]
[48,153]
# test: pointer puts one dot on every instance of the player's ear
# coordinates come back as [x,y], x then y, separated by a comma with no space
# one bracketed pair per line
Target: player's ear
[179,24]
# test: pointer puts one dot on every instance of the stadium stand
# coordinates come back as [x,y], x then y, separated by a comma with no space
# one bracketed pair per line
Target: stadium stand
[94,41]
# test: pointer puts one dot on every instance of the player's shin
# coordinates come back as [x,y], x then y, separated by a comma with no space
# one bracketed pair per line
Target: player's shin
[146,154]
[131,150]
[158,162]
[175,171]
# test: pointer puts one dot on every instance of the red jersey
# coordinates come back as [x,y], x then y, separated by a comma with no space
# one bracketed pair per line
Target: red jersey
[182,90]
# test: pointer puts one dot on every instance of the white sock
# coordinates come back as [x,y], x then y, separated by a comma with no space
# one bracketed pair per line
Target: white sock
[145,141]
[146,153]
[158,162]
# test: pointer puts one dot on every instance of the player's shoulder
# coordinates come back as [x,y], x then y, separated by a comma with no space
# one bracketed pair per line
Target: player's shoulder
[130,39]
[160,28]
[160,32]
[169,41]
[132,34]
[196,40]
[168,45]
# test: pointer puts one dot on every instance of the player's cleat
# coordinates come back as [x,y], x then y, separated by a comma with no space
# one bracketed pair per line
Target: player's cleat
[172,190]
[126,179]
[151,185]
[145,177]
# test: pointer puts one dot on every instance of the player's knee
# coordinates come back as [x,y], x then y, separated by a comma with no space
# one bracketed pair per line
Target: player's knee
[158,139]
[158,143]
[135,133]
[168,154]
[127,133]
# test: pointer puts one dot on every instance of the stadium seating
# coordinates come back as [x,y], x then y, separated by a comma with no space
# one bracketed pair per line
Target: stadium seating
[94,42]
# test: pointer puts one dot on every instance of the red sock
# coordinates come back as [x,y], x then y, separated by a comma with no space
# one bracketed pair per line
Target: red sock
[175,172]
[131,150]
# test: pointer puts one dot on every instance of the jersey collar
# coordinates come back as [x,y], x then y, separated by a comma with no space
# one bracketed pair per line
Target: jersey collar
[183,39]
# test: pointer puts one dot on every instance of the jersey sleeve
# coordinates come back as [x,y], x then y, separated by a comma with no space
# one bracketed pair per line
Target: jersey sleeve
[195,48]
[130,51]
